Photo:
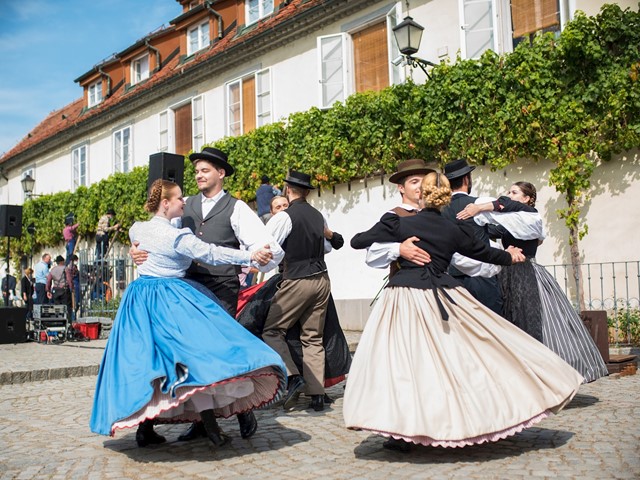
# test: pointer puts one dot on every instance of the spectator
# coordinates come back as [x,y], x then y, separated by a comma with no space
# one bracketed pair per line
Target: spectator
[59,285]
[102,233]
[264,194]
[26,288]
[69,233]
[72,267]
[8,289]
[41,272]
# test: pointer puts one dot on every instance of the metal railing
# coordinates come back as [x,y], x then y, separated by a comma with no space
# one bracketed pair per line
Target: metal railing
[610,286]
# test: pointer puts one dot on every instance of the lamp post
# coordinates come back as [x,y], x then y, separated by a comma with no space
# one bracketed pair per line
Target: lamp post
[408,34]
[31,229]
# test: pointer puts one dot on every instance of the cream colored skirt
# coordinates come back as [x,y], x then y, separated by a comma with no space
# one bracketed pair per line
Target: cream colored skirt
[472,379]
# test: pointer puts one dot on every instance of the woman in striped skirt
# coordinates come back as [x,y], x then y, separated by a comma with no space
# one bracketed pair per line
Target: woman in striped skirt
[533,300]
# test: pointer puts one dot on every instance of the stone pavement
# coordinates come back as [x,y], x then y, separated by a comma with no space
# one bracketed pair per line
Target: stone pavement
[45,403]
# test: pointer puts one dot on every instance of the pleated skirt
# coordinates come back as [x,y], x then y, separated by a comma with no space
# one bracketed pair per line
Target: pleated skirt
[168,342]
[472,379]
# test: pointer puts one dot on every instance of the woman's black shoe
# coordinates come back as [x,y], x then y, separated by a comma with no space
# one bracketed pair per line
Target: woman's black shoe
[196,430]
[296,384]
[215,434]
[248,424]
[317,402]
[147,436]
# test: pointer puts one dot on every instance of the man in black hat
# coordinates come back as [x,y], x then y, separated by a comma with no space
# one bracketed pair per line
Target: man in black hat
[408,177]
[304,292]
[217,217]
[479,278]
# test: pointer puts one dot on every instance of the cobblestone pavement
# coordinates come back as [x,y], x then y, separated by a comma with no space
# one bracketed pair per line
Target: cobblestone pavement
[44,434]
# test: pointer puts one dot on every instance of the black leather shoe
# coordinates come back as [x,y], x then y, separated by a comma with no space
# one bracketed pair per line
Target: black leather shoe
[248,424]
[397,445]
[317,402]
[327,399]
[196,430]
[147,436]
[296,384]
[214,432]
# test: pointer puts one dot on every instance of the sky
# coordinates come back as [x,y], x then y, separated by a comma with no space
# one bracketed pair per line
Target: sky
[46,44]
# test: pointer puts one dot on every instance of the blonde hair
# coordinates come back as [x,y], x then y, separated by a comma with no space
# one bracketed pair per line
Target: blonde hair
[436,191]
[160,190]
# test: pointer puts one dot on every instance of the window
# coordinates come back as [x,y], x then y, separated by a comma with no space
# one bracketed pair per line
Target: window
[371,51]
[198,38]
[122,150]
[257,9]
[79,166]
[500,25]
[249,103]
[181,127]
[140,69]
[95,93]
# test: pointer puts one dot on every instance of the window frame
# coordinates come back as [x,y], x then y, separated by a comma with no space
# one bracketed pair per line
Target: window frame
[200,29]
[135,78]
[94,93]
[118,157]
[260,115]
[79,154]
[197,139]
[261,11]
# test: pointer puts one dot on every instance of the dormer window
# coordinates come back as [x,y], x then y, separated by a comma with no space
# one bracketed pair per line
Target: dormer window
[257,9]
[198,38]
[95,93]
[140,69]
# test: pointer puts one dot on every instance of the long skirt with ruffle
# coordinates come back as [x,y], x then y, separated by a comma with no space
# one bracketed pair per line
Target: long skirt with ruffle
[534,301]
[168,342]
[472,379]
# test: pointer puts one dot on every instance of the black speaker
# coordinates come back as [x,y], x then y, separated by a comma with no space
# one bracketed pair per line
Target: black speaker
[10,220]
[13,325]
[167,166]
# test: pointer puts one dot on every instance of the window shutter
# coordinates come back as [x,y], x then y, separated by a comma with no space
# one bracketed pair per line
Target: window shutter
[477,27]
[371,58]
[183,129]
[396,64]
[248,104]
[332,69]
[529,16]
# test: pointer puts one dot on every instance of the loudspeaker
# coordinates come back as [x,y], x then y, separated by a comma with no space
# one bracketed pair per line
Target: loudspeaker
[13,325]
[167,166]
[10,220]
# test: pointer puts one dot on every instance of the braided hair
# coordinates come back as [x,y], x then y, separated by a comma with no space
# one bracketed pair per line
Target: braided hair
[436,190]
[529,190]
[160,190]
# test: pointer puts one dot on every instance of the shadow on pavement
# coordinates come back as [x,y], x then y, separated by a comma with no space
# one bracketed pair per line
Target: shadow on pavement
[581,401]
[528,440]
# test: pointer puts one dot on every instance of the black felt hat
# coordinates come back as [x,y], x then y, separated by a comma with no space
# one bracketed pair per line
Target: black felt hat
[299,179]
[215,157]
[457,168]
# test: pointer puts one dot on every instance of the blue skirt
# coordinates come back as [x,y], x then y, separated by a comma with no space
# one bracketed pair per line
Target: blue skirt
[170,342]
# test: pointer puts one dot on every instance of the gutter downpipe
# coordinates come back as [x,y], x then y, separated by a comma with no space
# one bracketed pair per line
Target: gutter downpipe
[219,17]
[104,74]
[156,51]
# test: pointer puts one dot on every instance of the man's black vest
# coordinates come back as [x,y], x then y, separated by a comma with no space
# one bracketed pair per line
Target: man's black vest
[215,228]
[304,247]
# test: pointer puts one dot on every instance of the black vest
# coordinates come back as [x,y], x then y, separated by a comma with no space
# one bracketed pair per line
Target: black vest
[304,247]
[215,228]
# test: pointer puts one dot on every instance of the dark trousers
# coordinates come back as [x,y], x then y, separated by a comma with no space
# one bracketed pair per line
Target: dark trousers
[62,296]
[102,245]
[486,290]
[225,288]
[41,294]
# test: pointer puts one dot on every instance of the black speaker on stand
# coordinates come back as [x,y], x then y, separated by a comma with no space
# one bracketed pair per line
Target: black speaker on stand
[13,325]
[10,226]
[167,166]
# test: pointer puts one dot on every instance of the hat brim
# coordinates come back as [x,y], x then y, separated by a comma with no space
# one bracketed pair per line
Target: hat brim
[299,184]
[460,173]
[398,176]
[218,162]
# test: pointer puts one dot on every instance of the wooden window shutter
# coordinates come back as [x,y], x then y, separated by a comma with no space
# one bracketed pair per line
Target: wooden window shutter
[530,16]
[371,58]
[248,104]
[183,129]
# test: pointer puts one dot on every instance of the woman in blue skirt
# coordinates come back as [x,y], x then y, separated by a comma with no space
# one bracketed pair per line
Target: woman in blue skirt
[174,355]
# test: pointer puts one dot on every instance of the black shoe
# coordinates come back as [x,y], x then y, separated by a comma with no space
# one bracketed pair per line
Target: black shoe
[147,436]
[196,430]
[296,384]
[327,399]
[214,433]
[317,402]
[397,445]
[248,424]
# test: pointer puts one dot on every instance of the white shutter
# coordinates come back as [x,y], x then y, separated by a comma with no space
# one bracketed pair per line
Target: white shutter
[332,69]
[396,61]
[263,97]
[477,25]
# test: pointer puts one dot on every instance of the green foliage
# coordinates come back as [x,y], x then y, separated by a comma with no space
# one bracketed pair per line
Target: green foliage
[625,325]
[572,99]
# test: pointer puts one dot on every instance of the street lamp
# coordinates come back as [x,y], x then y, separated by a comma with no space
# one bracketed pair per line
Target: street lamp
[28,183]
[408,34]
